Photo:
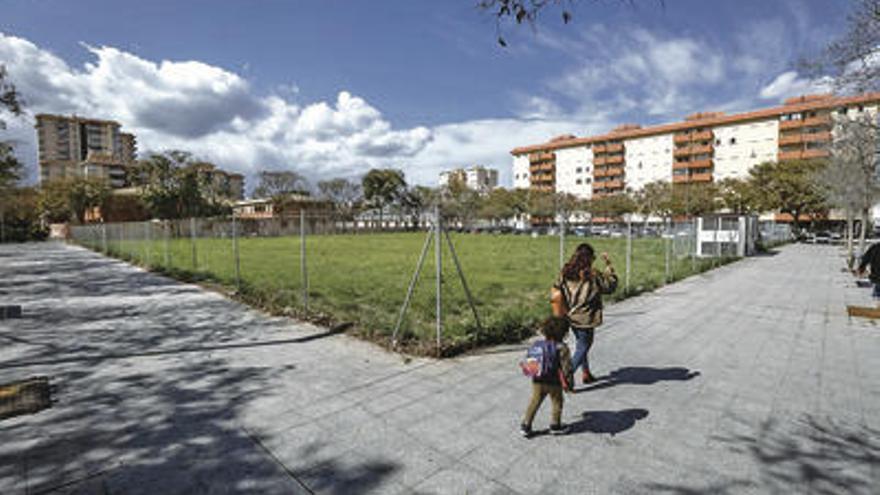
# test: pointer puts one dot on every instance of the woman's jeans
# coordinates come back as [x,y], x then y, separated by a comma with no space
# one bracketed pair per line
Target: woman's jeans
[583,341]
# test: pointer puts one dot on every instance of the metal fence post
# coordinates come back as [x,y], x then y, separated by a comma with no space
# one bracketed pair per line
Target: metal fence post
[695,236]
[302,258]
[192,241]
[629,240]
[235,253]
[438,255]
[104,238]
[666,242]
[166,228]
[561,244]
[148,242]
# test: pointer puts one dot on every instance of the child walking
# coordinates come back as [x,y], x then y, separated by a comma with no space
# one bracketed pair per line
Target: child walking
[556,376]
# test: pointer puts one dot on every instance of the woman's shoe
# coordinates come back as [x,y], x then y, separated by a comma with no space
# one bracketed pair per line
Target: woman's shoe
[588,377]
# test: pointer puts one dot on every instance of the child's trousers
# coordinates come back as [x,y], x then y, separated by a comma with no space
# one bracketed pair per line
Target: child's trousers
[539,391]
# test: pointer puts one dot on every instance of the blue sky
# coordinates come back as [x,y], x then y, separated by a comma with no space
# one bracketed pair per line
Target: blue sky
[332,87]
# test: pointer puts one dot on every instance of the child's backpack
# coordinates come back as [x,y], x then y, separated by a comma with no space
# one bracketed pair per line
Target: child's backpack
[542,360]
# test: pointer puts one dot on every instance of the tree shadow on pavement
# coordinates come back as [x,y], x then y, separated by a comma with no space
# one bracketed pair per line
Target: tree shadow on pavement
[640,375]
[608,422]
[150,400]
[808,454]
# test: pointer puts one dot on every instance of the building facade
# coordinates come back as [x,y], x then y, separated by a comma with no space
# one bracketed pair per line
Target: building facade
[477,178]
[81,147]
[704,148]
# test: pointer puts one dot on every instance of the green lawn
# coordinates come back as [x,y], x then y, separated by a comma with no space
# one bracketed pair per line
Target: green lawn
[363,278]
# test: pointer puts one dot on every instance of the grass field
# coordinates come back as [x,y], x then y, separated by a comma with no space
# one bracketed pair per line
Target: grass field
[363,278]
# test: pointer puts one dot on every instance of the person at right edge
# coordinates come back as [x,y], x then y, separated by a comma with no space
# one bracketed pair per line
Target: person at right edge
[577,295]
[871,259]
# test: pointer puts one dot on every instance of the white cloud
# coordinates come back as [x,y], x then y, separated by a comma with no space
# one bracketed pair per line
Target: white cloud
[790,84]
[207,110]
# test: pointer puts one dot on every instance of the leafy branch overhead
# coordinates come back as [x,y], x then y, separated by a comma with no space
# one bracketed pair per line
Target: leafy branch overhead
[526,11]
[522,11]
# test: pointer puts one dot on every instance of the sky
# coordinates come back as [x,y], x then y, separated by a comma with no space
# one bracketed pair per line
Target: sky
[332,88]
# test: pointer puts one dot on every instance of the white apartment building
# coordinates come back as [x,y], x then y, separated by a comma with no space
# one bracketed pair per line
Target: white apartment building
[705,147]
[477,178]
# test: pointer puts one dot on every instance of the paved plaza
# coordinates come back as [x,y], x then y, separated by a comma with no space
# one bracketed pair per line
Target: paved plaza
[747,379]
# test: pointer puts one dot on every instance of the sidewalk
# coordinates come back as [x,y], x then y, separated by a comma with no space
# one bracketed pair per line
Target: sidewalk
[748,379]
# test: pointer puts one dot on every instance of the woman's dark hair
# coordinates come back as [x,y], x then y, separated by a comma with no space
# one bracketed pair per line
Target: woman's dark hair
[554,328]
[578,266]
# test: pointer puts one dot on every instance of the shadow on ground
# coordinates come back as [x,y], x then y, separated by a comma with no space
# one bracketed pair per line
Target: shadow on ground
[148,401]
[640,375]
[608,422]
[808,454]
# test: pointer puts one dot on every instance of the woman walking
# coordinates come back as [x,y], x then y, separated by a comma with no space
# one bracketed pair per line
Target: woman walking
[577,295]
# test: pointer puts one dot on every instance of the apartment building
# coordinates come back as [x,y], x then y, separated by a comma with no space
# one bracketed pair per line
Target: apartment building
[477,178]
[82,147]
[704,147]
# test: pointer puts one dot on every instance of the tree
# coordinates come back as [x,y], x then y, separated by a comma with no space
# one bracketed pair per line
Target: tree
[614,205]
[84,194]
[789,187]
[737,196]
[20,220]
[175,185]
[274,184]
[541,204]
[382,188]
[53,202]
[344,194]
[460,203]
[850,180]
[10,99]
[11,169]
[853,60]
[566,206]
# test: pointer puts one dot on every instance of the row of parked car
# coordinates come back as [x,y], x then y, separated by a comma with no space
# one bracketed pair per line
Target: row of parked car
[823,237]
[595,231]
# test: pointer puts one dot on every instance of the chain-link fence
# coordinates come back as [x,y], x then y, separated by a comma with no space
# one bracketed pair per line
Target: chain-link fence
[315,266]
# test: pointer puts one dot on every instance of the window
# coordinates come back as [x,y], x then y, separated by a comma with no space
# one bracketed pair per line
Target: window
[588,180]
[578,182]
[718,142]
[579,170]
[640,165]
[733,140]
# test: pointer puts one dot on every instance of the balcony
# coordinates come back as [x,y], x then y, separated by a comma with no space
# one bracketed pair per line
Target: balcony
[705,149]
[790,139]
[541,167]
[790,124]
[600,160]
[681,165]
[817,137]
[818,121]
[614,171]
[684,179]
[615,148]
[790,155]
[700,164]
[702,136]
[540,178]
[816,153]
[681,138]
[541,157]
[614,159]
[599,148]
